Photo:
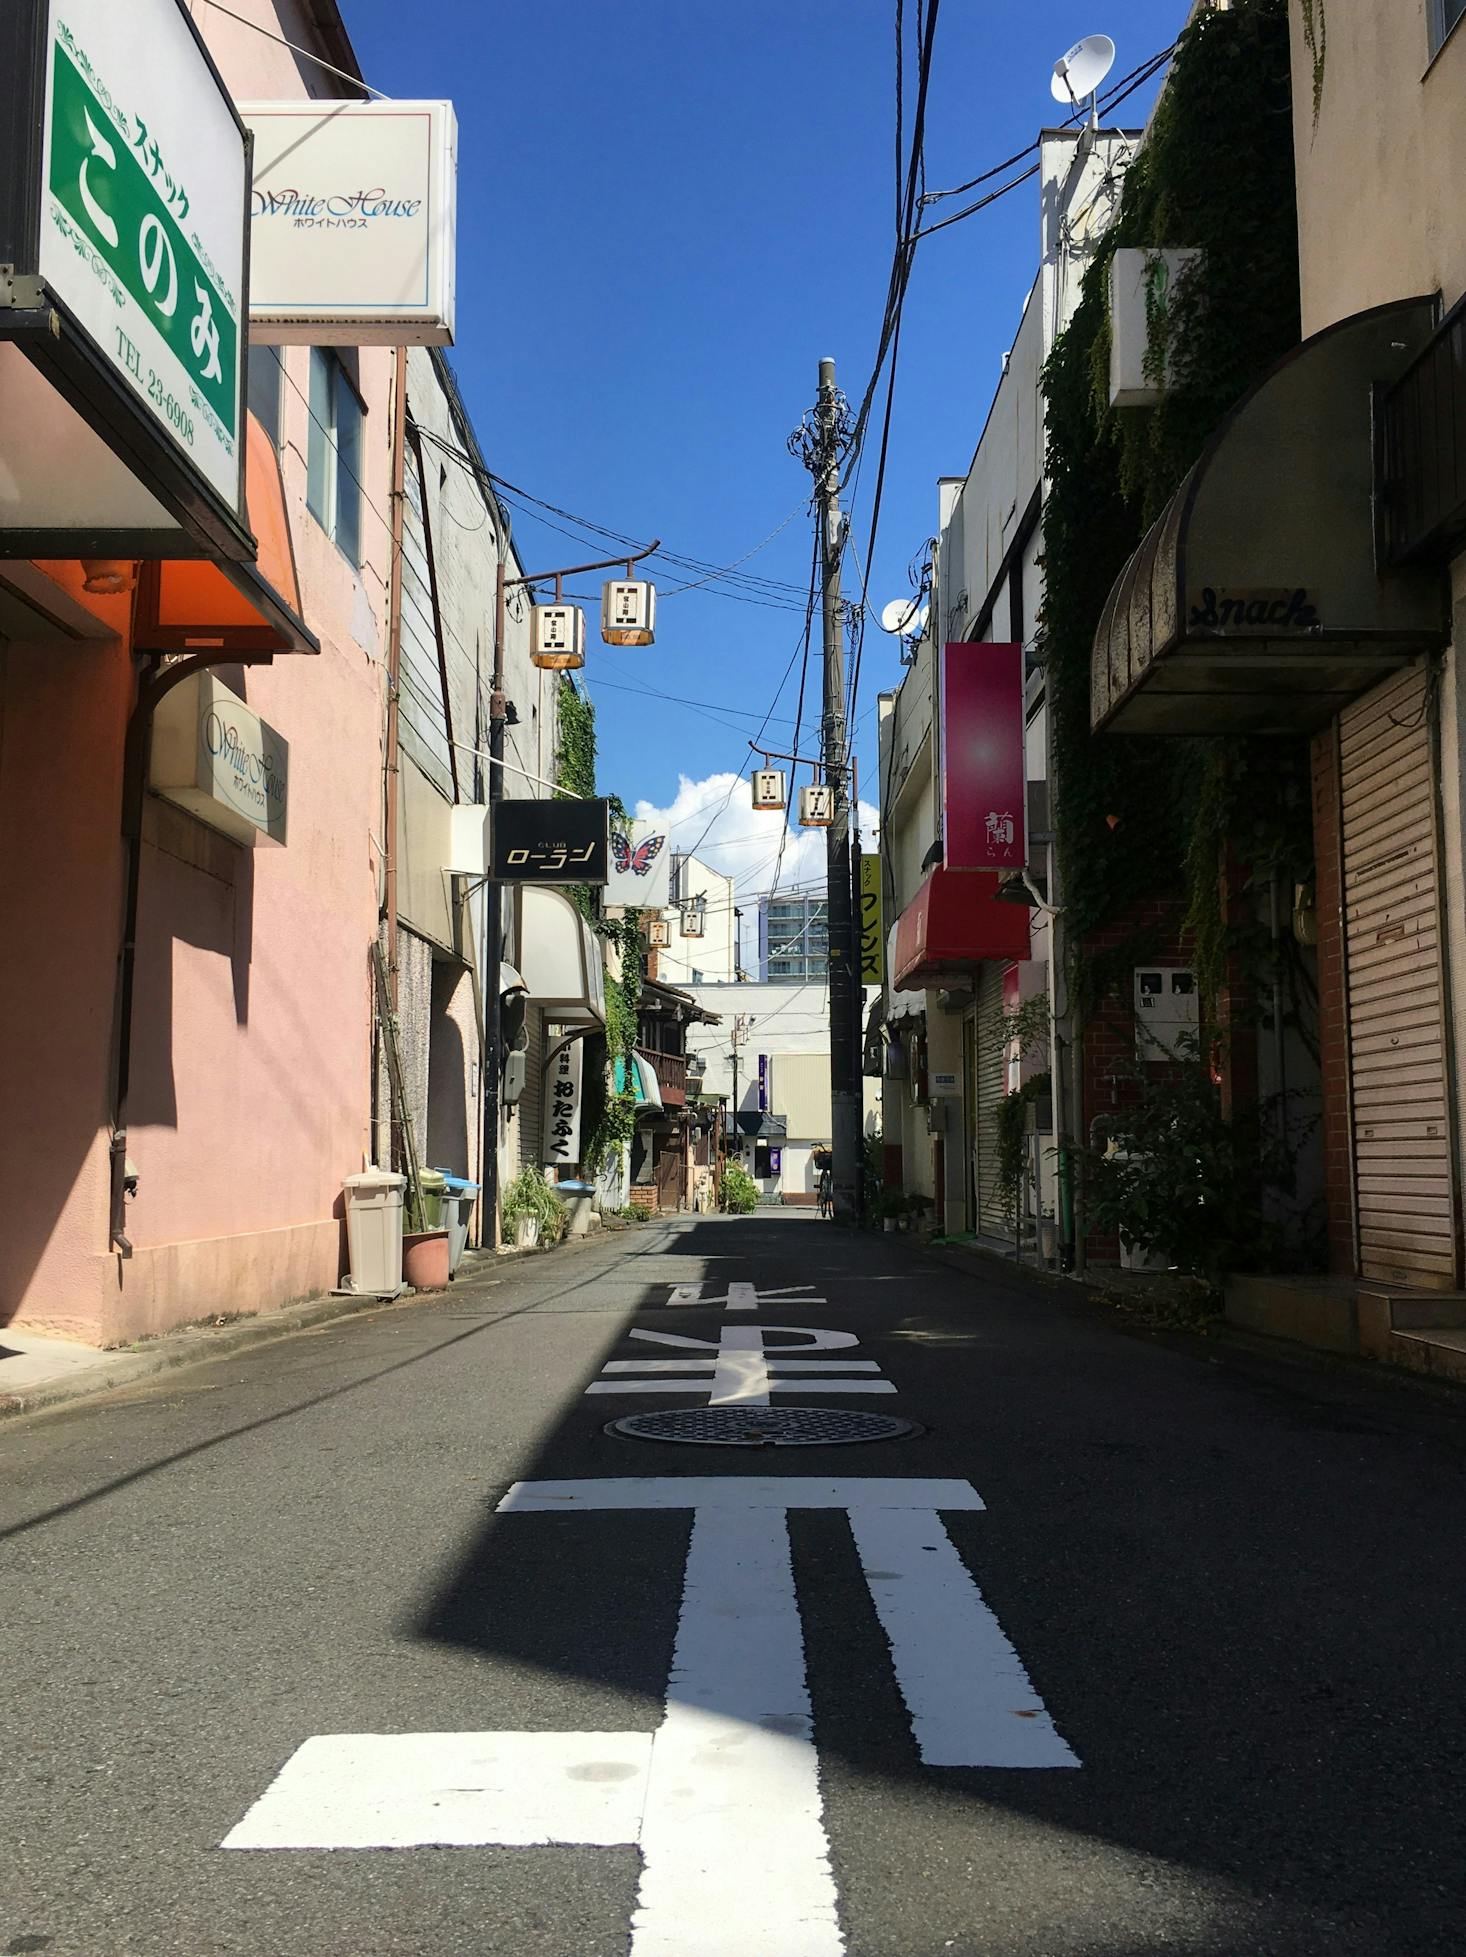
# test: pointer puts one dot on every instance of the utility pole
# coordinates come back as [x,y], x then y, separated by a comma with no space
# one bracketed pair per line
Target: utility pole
[822,447]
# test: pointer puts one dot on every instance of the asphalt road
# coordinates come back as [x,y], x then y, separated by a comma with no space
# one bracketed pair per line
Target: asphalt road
[1218,1603]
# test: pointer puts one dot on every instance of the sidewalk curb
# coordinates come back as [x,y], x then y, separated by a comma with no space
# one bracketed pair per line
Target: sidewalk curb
[191,1345]
[122,1366]
[1219,1342]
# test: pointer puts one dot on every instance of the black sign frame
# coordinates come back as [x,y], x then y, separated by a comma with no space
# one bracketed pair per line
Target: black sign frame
[550,841]
[40,326]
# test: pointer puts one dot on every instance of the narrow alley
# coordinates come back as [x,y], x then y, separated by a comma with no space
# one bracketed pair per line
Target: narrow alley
[375,1640]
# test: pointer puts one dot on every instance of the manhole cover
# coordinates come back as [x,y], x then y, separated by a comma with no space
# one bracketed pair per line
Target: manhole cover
[762,1427]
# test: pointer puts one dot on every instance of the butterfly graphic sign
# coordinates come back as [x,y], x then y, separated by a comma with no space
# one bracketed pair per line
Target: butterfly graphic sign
[641,866]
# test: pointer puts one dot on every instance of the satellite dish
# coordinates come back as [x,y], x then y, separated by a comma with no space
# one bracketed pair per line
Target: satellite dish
[900,615]
[1082,69]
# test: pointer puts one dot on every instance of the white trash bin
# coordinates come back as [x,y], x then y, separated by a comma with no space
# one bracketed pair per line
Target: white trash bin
[374,1232]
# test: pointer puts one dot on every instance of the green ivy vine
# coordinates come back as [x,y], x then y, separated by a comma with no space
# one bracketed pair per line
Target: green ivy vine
[1316,40]
[609,1113]
[1216,175]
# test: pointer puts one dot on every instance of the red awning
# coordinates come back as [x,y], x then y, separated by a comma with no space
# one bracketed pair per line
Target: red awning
[955,921]
[194,605]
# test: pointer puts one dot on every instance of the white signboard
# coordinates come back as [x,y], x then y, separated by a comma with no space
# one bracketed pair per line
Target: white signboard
[641,867]
[215,757]
[143,230]
[353,215]
[563,1072]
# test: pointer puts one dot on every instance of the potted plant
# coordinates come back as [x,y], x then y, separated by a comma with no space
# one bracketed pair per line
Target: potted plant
[532,1210]
[892,1210]
[917,1206]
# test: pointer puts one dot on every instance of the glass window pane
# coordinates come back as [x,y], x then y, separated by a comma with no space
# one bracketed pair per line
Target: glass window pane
[264,389]
[319,447]
[348,469]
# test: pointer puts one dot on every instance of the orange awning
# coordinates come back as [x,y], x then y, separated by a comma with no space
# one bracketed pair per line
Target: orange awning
[200,605]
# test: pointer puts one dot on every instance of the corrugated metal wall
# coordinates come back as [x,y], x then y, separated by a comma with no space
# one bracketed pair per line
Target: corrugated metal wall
[1404,1178]
[531,1112]
[990,1088]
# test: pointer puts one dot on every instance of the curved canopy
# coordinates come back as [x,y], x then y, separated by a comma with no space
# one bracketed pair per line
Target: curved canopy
[559,956]
[1253,605]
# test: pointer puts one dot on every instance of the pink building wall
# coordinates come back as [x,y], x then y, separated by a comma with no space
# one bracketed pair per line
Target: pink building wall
[252,1020]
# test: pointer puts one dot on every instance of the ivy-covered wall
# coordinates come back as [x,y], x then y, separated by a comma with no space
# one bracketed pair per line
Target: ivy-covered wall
[1137,815]
[608,1115]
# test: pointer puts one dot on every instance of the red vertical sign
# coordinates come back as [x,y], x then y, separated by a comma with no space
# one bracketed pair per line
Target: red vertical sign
[984,775]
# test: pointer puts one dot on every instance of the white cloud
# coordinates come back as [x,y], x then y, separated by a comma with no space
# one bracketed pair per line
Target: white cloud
[715,820]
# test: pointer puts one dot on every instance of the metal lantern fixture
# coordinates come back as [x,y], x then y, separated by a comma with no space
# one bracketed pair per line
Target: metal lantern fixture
[658,933]
[769,789]
[816,806]
[557,637]
[628,611]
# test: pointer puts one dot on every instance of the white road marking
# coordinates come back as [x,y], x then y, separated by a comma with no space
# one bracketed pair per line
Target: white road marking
[736,1855]
[453,1790]
[724,1799]
[854,1492]
[746,1369]
[738,1296]
[970,1700]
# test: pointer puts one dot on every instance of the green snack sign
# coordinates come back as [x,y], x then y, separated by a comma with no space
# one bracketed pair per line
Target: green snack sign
[104,183]
[144,183]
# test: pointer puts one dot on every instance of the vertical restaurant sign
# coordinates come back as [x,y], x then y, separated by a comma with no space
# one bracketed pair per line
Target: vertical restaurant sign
[984,774]
[143,226]
[763,1083]
[872,938]
[563,1081]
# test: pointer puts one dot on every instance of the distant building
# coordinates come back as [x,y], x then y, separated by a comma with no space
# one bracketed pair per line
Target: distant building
[703,947]
[793,938]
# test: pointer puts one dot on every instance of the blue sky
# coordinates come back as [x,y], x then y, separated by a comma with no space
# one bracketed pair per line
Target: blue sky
[666,215]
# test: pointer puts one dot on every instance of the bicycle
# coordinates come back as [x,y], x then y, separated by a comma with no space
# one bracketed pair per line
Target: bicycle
[826,1193]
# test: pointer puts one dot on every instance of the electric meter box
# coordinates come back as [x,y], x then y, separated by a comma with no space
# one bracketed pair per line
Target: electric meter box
[628,612]
[769,791]
[557,636]
[817,806]
[1166,1012]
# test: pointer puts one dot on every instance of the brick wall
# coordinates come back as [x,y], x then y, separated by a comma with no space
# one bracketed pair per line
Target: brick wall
[1109,1034]
[1333,1017]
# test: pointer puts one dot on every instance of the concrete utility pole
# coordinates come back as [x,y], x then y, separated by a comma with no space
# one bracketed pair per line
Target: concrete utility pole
[823,458]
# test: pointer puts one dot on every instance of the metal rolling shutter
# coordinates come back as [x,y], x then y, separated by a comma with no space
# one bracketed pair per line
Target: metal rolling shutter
[1405,1199]
[531,1112]
[990,1087]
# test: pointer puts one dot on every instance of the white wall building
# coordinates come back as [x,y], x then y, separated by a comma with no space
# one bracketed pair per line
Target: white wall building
[955,1064]
[702,898]
[787,1027]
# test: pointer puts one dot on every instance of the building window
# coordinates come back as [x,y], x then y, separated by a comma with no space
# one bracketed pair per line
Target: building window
[265,379]
[333,488]
[1444,14]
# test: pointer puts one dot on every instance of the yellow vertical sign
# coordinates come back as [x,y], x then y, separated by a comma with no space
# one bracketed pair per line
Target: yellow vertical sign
[872,937]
